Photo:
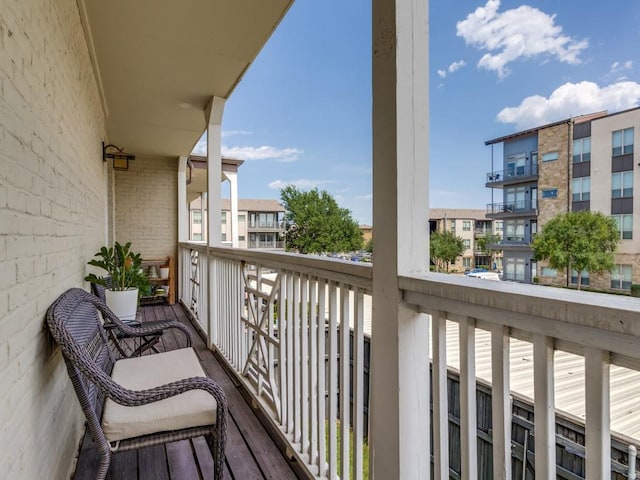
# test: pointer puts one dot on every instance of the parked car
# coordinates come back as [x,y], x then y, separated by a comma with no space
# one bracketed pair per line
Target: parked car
[476,270]
[486,275]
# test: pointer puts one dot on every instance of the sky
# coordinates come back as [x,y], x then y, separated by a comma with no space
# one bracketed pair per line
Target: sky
[302,113]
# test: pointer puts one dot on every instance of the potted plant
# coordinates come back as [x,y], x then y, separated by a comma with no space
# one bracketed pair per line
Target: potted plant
[125,281]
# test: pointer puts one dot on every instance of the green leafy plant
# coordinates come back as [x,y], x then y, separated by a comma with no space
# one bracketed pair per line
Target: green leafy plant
[123,266]
[635,290]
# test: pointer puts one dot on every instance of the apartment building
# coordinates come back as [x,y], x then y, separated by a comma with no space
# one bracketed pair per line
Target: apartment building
[581,163]
[260,223]
[470,225]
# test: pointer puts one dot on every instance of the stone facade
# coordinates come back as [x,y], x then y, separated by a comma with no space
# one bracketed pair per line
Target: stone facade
[554,174]
[53,197]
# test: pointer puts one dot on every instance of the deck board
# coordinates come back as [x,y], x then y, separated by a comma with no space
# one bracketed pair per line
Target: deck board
[251,453]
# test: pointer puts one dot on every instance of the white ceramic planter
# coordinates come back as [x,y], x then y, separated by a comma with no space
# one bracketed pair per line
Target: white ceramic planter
[164,272]
[123,304]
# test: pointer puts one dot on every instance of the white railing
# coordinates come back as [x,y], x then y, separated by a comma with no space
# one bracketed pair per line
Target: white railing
[276,319]
[603,329]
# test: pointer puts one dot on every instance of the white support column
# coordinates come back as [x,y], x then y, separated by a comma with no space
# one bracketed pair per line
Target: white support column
[213,115]
[400,413]
[597,424]
[440,397]
[232,177]
[183,206]
[544,407]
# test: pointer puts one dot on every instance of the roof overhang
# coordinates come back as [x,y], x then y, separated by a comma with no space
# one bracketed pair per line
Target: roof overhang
[159,63]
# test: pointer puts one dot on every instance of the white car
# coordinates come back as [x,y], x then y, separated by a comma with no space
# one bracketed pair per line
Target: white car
[485,275]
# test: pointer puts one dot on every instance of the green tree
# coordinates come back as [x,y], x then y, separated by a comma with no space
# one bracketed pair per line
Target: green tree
[368,247]
[579,241]
[315,223]
[487,244]
[444,248]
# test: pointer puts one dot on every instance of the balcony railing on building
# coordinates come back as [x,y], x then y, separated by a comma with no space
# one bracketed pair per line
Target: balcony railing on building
[516,174]
[282,323]
[511,209]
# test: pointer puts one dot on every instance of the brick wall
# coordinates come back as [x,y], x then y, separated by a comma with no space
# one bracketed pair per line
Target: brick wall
[52,208]
[147,206]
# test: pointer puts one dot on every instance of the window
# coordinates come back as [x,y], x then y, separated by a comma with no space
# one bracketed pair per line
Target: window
[582,150]
[514,230]
[549,272]
[242,218]
[241,238]
[224,217]
[452,225]
[584,280]
[515,199]
[197,237]
[197,217]
[466,243]
[621,277]
[581,189]
[622,184]
[514,269]
[625,224]
[224,237]
[622,142]
[534,229]
[466,225]
[550,193]
[515,165]
[466,262]
[498,225]
[549,157]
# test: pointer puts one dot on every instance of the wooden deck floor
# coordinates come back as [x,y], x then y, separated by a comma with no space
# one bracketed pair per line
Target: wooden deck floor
[251,453]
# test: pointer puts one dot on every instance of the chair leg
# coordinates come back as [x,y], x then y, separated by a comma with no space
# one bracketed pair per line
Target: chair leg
[218,460]
[105,461]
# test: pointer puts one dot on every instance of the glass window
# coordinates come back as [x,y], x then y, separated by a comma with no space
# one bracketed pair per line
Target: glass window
[498,225]
[549,272]
[550,193]
[242,218]
[515,199]
[584,280]
[549,157]
[224,237]
[197,237]
[622,142]
[197,217]
[466,262]
[224,217]
[581,189]
[621,277]
[514,230]
[241,238]
[466,225]
[514,269]
[625,224]
[582,150]
[466,243]
[622,184]
[452,225]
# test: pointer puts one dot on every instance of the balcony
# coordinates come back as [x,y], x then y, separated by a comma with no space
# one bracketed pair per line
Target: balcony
[519,174]
[516,208]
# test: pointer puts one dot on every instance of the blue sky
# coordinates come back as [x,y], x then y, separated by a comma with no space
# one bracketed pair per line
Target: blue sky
[302,113]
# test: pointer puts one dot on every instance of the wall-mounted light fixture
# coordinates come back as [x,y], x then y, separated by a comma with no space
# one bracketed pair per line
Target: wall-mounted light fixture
[120,158]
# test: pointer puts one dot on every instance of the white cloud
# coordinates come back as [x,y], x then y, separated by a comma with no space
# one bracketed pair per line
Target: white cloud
[456,66]
[262,153]
[368,196]
[571,99]
[302,183]
[452,68]
[233,133]
[523,32]
[617,67]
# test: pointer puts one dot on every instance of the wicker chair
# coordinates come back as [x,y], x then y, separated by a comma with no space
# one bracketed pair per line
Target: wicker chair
[146,335]
[172,396]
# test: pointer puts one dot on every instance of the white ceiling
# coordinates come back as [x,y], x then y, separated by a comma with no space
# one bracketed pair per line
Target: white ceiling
[161,61]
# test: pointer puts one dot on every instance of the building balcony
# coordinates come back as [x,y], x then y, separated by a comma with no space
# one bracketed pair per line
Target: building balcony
[265,227]
[521,174]
[518,208]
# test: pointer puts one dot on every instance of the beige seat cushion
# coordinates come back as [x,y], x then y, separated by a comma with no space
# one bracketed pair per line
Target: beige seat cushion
[190,409]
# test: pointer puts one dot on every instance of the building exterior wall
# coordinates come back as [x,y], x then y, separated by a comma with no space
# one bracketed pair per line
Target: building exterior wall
[53,204]
[553,174]
[146,207]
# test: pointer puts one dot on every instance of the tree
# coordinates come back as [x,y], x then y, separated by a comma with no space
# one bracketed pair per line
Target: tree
[368,247]
[315,223]
[579,241]
[444,248]
[486,243]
